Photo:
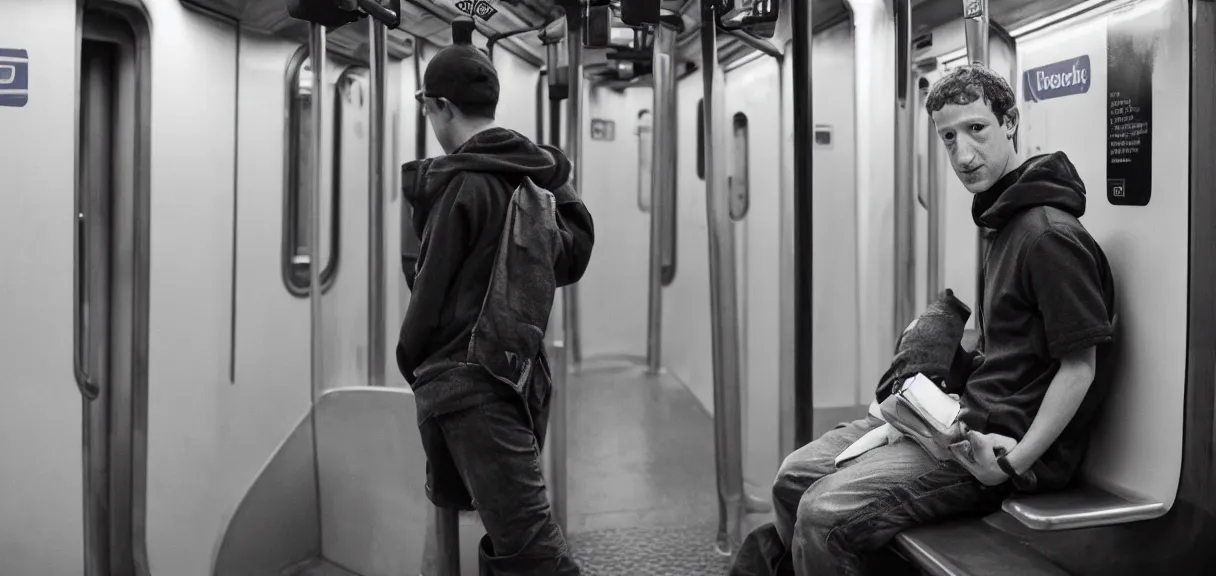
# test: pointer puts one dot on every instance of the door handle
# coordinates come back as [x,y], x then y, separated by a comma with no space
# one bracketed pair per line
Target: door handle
[84,381]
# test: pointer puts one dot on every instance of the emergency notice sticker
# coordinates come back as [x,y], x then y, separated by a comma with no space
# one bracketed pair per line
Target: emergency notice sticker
[1131,51]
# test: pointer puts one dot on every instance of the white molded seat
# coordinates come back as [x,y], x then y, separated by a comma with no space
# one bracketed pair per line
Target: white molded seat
[1086,505]
[1083,507]
[372,498]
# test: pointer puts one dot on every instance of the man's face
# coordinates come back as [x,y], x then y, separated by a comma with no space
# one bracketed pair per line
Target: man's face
[979,146]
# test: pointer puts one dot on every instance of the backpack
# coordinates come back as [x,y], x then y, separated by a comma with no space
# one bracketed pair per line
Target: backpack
[508,336]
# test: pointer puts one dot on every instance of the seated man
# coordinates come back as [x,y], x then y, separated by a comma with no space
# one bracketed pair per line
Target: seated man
[1045,323]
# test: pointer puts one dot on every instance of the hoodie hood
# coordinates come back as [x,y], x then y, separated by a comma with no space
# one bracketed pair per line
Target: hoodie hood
[496,151]
[1044,180]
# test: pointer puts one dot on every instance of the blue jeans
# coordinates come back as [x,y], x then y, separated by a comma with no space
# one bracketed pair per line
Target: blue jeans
[830,518]
[497,452]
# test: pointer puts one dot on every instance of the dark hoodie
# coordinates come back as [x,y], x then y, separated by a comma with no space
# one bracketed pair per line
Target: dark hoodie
[1047,292]
[460,202]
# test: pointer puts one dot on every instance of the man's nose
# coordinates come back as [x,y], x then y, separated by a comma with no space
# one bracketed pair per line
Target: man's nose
[964,155]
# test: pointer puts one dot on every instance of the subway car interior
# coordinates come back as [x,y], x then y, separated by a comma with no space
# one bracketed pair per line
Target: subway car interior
[772,206]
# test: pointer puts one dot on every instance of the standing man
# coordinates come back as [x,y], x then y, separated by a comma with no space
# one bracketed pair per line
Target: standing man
[501,229]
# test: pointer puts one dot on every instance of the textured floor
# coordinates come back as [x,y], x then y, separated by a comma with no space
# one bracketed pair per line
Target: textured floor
[642,494]
[671,551]
[641,452]
[642,489]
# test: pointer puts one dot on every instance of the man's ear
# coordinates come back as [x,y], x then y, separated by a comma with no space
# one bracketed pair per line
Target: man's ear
[444,106]
[1012,119]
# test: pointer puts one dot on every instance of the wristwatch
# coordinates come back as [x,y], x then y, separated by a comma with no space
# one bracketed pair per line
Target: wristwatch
[1006,467]
[1025,481]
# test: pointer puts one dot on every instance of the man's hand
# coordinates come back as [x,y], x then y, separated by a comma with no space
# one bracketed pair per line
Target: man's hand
[978,455]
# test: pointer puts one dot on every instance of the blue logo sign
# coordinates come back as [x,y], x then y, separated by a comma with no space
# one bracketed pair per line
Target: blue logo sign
[1058,79]
[14,77]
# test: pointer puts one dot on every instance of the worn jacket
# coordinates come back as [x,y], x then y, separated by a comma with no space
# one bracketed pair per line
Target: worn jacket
[502,230]
[461,203]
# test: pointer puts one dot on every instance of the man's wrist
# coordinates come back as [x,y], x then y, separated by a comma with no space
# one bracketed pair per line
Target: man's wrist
[1015,460]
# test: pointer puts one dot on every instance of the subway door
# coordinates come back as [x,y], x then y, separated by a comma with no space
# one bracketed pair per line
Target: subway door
[344,304]
[838,391]
[753,137]
[269,388]
[399,149]
[613,290]
[687,333]
[193,175]
[41,505]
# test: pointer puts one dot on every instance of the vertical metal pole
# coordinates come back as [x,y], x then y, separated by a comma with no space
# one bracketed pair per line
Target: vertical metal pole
[558,430]
[934,264]
[317,57]
[447,538]
[557,434]
[420,124]
[905,201]
[804,140]
[560,324]
[540,105]
[662,178]
[378,41]
[561,371]
[788,354]
[975,26]
[555,122]
[316,53]
[728,438]
[574,150]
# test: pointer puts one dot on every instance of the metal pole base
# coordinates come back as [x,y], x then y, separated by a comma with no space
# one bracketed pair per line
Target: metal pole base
[730,530]
[558,435]
[447,532]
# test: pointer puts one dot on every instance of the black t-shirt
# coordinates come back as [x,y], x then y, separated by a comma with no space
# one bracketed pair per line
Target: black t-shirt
[1048,292]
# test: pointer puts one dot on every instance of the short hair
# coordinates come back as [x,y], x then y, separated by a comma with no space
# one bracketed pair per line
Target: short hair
[969,83]
[482,111]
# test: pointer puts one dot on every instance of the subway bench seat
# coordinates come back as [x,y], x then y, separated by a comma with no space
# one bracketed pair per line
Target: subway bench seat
[974,547]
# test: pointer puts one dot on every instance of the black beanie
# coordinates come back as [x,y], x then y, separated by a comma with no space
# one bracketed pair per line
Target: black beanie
[929,347]
[462,74]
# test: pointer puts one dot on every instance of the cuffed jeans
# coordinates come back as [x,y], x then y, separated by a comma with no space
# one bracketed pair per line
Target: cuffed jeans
[499,459]
[829,518]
